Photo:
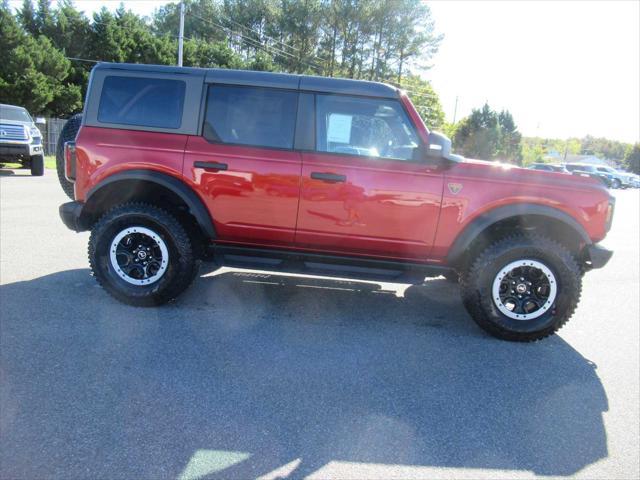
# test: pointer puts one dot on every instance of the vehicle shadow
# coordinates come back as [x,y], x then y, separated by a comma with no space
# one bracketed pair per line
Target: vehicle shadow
[249,372]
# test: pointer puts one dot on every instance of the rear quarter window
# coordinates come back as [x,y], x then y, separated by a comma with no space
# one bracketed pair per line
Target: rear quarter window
[147,102]
[261,117]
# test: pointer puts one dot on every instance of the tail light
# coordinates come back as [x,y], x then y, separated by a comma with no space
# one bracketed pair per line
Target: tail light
[610,209]
[70,161]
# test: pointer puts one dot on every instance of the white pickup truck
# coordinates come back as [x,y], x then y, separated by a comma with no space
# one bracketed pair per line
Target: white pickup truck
[20,139]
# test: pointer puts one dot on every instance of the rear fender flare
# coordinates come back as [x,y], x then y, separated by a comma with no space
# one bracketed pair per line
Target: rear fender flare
[175,185]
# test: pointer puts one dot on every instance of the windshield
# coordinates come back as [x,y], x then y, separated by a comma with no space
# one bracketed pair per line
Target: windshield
[14,114]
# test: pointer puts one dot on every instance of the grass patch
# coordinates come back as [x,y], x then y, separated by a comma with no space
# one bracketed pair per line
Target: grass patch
[49,162]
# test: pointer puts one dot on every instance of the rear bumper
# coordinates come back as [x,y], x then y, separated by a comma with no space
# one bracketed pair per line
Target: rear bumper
[71,215]
[596,256]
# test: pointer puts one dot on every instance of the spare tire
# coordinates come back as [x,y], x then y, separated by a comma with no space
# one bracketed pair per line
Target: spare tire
[68,134]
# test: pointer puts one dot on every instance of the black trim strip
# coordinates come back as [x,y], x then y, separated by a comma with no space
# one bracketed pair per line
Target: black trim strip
[211,165]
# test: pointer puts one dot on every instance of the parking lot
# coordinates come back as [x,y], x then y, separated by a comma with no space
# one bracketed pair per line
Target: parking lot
[254,375]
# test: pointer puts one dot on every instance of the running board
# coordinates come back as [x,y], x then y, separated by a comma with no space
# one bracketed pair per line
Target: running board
[285,261]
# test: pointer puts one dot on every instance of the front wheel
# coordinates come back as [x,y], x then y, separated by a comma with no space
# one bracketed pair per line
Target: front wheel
[37,165]
[615,183]
[141,255]
[522,288]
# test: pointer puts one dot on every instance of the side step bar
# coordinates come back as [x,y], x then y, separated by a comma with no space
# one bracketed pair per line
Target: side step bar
[284,261]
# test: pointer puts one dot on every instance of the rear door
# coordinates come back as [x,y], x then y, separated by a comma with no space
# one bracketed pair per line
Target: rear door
[244,165]
[365,189]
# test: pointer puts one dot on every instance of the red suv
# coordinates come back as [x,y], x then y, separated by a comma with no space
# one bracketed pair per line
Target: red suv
[317,175]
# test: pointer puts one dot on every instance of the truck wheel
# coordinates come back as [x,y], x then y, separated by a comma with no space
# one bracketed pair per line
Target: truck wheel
[68,134]
[141,255]
[37,165]
[522,288]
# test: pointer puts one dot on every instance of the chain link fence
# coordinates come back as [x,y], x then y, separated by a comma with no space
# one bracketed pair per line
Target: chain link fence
[50,133]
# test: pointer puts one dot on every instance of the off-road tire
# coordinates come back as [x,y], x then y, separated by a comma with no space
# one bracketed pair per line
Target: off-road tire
[477,281]
[183,265]
[36,164]
[68,134]
[451,276]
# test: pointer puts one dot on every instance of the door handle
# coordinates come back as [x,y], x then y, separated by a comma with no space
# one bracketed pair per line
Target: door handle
[328,177]
[211,165]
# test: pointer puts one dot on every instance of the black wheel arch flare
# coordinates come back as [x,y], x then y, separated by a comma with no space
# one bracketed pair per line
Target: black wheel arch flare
[472,231]
[179,188]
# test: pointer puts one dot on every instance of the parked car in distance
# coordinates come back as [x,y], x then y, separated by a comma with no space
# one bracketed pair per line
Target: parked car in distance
[618,179]
[548,167]
[20,139]
[325,176]
[589,170]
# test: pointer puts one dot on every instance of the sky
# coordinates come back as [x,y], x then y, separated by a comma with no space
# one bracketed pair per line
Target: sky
[562,68]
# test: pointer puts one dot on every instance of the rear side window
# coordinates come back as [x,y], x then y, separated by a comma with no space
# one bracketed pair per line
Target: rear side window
[251,116]
[147,102]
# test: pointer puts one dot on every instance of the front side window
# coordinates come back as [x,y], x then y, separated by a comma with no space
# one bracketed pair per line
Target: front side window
[363,126]
[148,102]
[251,116]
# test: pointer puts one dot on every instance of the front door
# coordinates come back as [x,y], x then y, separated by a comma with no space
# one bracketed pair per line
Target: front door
[244,164]
[365,189]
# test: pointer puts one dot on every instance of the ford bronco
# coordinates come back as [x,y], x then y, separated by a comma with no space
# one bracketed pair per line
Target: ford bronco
[294,173]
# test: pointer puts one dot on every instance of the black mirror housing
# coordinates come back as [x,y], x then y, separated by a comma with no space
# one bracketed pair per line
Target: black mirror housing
[439,145]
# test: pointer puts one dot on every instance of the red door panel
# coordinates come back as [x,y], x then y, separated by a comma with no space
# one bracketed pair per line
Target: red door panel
[255,199]
[383,207]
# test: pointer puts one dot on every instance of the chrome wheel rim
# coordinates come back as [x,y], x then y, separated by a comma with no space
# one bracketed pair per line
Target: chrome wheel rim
[139,255]
[524,289]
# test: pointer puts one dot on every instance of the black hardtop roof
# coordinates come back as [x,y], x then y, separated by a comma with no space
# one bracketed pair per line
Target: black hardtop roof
[266,79]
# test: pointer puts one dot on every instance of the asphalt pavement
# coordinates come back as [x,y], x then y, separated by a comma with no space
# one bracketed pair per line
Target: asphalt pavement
[252,375]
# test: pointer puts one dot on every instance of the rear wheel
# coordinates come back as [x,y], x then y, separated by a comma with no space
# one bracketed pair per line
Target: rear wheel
[522,288]
[36,165]
[142,255]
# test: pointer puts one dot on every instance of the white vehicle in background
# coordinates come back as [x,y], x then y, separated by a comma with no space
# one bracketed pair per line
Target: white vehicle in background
[618,179]
[20,139]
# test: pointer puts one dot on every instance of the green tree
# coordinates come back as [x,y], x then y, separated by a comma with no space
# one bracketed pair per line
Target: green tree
[510,147]
[489,135]
[632,159]
[425,100]
[34,72]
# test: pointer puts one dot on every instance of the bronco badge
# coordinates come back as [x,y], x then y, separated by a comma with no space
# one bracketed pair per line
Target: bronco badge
[454,188]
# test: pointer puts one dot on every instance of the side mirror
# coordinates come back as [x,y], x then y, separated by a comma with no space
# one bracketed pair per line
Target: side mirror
[41,121]
[439,145]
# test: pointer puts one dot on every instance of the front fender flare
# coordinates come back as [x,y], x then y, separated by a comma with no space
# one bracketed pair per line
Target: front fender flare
[482,222]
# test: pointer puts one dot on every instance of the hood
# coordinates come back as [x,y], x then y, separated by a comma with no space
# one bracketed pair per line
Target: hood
[511,173]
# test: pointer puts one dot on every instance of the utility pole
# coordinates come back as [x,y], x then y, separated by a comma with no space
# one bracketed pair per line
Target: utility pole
[181,34]
[455,110]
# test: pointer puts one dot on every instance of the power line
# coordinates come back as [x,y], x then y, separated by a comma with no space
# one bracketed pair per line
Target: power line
[76,59]
[297,50]
[257,44]
[252,41]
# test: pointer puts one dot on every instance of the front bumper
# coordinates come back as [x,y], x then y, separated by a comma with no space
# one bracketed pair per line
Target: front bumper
[596,256]
[71,215]
[20,150]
